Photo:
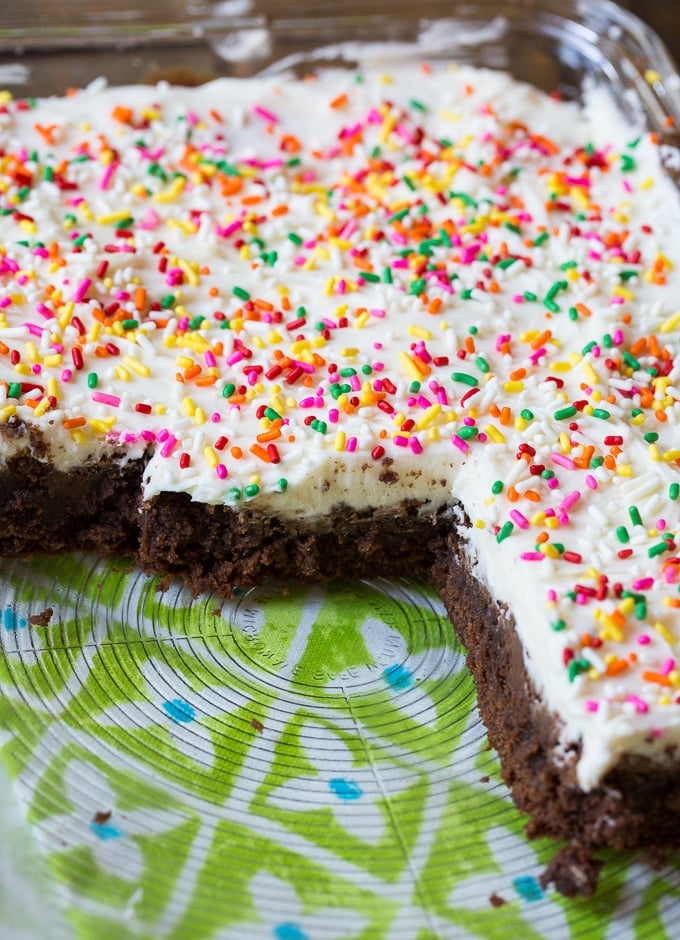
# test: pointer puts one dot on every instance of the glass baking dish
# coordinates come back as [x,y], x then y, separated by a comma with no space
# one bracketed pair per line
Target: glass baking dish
[553,44]
[559,46]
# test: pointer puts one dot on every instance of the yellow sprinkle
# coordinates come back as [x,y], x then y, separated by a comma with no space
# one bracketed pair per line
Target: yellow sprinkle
[199,417]
[551,522]
[420,332]
[511,386]
[184,362]
[654,453]
[102,425]
[348,352]
[562,366]
[664,632]
[41,407]
[54,359]
[647,183]
[112,217]
[171,193]
[670,324]
[362,319]
[410,366]
[340,441]
[496,436]
[52,387]
[480,524]
[591,375]
[669,455]
[652,76]
[188,407]
[32,351]
[211,457]
[624,469]
[78,436]
[627,605]
[638,419]
[520,423]
[565,443]
[122,373]
[428,416]
[22,368]
[7,412]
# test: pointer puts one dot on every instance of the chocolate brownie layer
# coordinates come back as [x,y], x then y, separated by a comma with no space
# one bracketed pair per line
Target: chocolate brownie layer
[98,507]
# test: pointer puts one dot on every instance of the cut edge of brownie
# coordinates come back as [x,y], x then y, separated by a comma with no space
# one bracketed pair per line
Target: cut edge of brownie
[98,507]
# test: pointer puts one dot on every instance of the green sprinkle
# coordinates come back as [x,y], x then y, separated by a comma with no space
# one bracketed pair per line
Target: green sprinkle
[371,277]
[527,414]
[541,239]
[466,294]
[130,324]
[347,371]
[573,313]
[558,625]
[634,514]
[551,305]
[444,235]
[271,414]
[14,390]
[567,412]
[641,610]
[387,275]
[464,198]
[482,364]
[556,288]
[414,387]
[168,301]
[651,437]
[418,105]
[92,380]
[409,182]
[228,390]
[473,331]
[504,532]
[631,361]
[601,413]
[48,174]
[622,534]
[636,411]
[251,490]
[607,341]
[294,161]
[505,263]
[282,485]
[512,227]
[529,296]
[467,431]
[547,474]
[465,378]
[398,216]
[497,487]
[567,266]
[674,491]
[596,462]
[627,275]
[295,238]
[418,286]
[657,549]
[235,493]
[241,293]
[627,163]
[577,666]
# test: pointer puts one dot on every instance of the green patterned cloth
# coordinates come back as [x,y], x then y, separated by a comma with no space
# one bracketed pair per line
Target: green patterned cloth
[296,764]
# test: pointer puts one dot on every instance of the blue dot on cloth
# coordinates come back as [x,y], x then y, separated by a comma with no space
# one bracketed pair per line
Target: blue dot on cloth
[179,710]
[105,831]
[289,931]
[345,789]
[398,676]
[11,621]
[528,888]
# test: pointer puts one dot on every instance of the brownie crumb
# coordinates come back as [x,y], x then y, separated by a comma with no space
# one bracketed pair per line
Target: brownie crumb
[655,858]
[495,900]
[573,871]
[484,779]
[42,619]
[101,817]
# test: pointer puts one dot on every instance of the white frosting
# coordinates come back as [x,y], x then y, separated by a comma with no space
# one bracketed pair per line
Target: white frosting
[288,238]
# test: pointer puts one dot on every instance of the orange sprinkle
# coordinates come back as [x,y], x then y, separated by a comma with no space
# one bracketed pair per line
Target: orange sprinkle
[518,374]
[649,676]
[140,298]
[541,339]
[505,416]
[280,210]
[542,537]
[236,452]
[122,114]
[192,371]
[532,496]
[340,101]
[4,349]
[583,310]
[512,494]
[616,667]
[70,423]
[204,380]
[258,451]
[469,344]
[435,305]
[661,416]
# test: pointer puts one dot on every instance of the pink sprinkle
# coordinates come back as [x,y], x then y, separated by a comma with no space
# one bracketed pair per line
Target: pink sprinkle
[215,417]
[552,483]
[552,596]
[570,501]
[34,329]
[66,375]
[415,445]
[6,302]
[640,706]
[519,518]
[591,482]
[661,525]
[591,705]
[333,415]
[163,435]
[210,360]
[264,113]
[235,357]
[221,471]
[668,667]
[169,445]
[644,639]
[148,436]
[149,220]
[105,399]
[460,444]
[400,440]
[643,584]
[562,460]
[107,175]
[351,445]
[532,556]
